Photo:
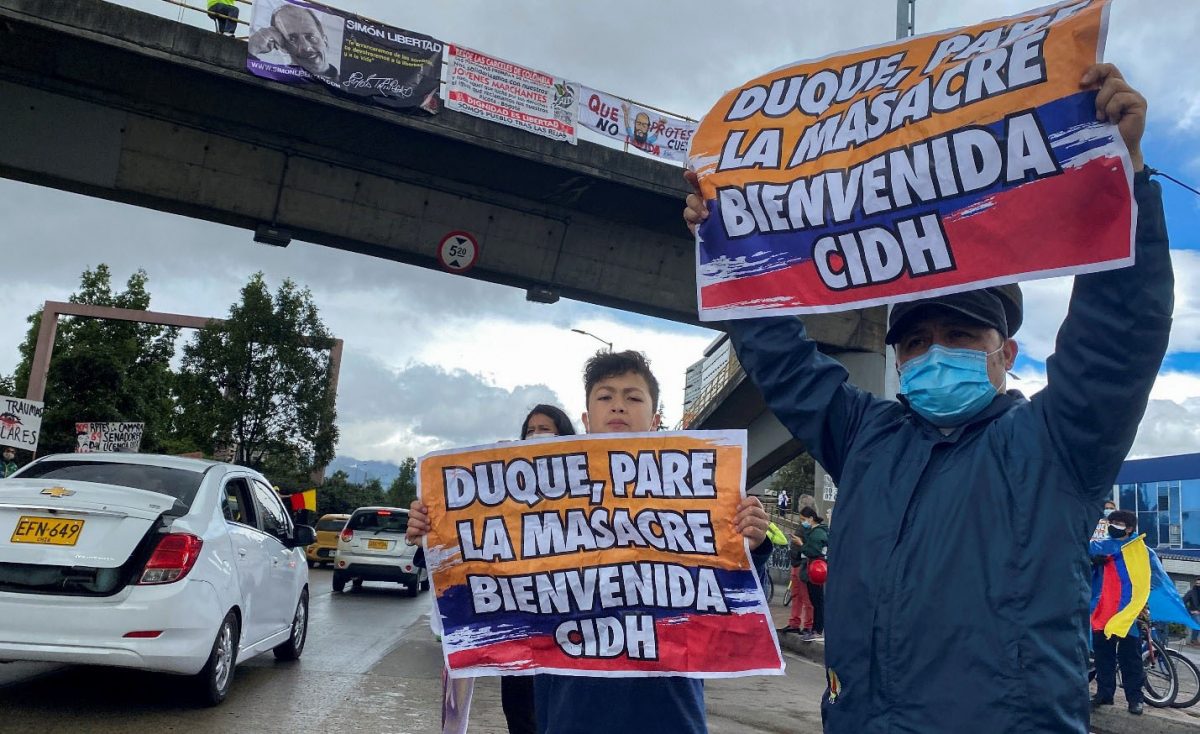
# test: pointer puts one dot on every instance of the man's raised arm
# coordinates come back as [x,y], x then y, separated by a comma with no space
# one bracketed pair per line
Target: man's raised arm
[1113,340]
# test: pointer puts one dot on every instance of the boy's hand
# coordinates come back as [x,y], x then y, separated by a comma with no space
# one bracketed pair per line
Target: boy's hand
[694,212]
[1120,104]
[418,522]
[751,521]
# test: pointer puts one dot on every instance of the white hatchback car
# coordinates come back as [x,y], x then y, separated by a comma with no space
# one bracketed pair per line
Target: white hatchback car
[151,562]
[372,548]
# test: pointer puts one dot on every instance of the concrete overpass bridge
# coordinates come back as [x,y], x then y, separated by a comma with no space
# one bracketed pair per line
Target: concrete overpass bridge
[106,101]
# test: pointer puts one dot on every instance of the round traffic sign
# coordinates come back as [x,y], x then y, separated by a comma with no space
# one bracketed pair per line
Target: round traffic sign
[458,252]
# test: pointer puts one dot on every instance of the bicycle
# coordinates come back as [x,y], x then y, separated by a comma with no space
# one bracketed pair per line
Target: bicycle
[768,585]
[1160,681]
[1187,673]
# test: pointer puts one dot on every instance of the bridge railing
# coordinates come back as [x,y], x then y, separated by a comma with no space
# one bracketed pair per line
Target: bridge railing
[604,140]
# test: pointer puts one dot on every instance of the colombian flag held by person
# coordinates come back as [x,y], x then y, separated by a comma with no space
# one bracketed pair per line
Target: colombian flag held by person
[306,500]
[1125,589]
[1165,603]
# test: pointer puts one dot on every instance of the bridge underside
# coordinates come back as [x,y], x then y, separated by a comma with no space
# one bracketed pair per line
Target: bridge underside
[109,102]
[741,405]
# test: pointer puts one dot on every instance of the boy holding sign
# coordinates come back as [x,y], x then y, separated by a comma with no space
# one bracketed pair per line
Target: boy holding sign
[622,396]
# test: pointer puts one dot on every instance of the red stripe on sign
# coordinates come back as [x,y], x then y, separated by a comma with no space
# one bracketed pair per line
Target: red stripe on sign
[1051,224]
[702,644]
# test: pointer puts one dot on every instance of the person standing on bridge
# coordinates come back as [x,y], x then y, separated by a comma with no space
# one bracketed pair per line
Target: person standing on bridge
[957,597]
[224,13]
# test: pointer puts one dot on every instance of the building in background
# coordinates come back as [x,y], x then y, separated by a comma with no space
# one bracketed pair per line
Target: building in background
[705,378]
[1165,494]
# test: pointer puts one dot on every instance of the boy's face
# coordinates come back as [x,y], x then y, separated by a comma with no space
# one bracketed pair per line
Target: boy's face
[620,404]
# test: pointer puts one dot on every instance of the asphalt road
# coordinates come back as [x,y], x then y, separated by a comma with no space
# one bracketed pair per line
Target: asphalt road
[371,664]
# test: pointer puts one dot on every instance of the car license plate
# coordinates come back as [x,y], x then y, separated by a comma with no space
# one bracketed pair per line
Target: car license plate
[377,545]
[47,530]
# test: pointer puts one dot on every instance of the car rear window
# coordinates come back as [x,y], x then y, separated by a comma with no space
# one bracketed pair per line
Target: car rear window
[391,522]
[178,483]
[334,525]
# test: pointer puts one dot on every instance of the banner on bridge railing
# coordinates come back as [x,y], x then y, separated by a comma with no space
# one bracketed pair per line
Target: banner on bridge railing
[647,130]
[301,42]
[507,93]
[599,555]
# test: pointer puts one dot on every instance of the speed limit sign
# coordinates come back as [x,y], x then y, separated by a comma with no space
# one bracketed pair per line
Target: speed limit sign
[458,252]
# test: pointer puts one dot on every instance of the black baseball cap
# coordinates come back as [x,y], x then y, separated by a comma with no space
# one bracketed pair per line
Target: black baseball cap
[999,307]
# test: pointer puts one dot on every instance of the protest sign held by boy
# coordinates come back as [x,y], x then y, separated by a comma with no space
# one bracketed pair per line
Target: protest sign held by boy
[622,397]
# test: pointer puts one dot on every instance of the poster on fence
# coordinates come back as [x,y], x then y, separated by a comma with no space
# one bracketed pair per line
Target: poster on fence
[108,436]
[503,92]
[932,165]
[647,130]
[302,42]
[601,555]
[20,423]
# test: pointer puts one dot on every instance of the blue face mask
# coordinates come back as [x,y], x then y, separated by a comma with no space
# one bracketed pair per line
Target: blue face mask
[947,386]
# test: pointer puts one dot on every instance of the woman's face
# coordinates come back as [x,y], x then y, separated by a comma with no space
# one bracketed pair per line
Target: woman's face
[540,425]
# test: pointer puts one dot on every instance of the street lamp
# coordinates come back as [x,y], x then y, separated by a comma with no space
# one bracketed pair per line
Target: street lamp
[588,333]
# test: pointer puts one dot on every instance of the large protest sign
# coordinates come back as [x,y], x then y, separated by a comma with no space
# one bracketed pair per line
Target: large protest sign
[108,436]
[602,555]
[504,92]
[937,164]
[20,423]
[647,130]
[301,42]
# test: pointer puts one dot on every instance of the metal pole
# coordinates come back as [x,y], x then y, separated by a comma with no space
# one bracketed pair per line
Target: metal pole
[906,18]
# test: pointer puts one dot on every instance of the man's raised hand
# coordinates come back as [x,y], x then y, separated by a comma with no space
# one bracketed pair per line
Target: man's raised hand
[1120,104]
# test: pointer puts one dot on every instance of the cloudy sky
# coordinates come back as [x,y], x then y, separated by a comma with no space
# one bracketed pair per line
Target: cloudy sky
[434,360]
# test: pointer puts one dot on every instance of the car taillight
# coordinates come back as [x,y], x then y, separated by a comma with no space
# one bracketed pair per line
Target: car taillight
[347,535]
[172,558]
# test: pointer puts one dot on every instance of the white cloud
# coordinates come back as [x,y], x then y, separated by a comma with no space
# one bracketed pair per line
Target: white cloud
[1171,424]
[1046,307]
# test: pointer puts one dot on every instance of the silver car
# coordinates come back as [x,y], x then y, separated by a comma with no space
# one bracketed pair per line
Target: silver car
[372,548]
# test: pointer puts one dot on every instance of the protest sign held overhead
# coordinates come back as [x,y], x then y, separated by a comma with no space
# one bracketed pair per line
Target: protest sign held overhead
[302,42]
[20,423]
[932,165]
[108,436]
[596,555]
[638,127]
[504,92]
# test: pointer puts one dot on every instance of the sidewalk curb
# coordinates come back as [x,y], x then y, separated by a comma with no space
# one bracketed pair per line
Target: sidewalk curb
[1107,720]
[813,651]
[1116,720]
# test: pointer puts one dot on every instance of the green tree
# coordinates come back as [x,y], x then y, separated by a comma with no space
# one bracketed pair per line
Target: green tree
[403,489]
[105,370]
[796,477]
[258,384]
[339,495]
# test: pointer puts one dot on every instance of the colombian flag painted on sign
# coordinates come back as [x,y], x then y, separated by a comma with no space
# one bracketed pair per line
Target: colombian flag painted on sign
[1124,590]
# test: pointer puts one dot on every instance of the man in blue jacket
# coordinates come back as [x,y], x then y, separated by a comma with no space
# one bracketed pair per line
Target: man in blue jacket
[958,584]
